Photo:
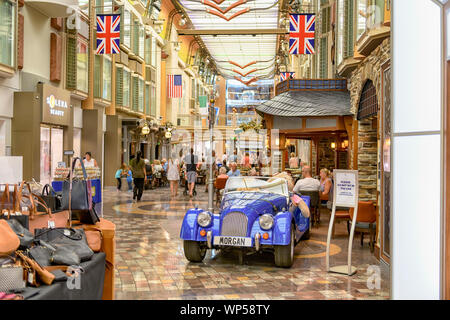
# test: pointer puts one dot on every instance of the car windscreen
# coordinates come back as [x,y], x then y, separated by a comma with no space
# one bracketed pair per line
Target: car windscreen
[257,184]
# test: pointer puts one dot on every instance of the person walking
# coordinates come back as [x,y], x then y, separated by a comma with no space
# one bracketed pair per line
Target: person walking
[139,175]
[191,161]
[173,175]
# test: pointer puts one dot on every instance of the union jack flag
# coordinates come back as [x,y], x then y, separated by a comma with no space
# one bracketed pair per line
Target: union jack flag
[286,75]
[301,33]
[108,33]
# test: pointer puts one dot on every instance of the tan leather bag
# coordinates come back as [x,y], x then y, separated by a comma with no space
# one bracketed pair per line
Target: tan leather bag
[45,219]
[9,241]
[94,237]
[44,276]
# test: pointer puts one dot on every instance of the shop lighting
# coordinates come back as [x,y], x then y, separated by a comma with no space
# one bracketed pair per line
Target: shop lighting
[182,22]
[145,129]
[333,145]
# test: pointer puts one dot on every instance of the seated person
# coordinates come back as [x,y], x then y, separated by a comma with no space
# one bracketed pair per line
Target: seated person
[308,183]
[234,172]
[222,173]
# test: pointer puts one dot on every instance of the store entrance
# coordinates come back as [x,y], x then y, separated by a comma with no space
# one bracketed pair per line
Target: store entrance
[51,150]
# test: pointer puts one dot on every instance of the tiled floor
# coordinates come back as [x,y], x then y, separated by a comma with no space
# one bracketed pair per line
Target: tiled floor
[150,263]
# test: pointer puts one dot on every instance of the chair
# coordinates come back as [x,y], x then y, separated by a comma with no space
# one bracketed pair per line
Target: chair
[219,185]
[366,221]
[314,205]
[341,214]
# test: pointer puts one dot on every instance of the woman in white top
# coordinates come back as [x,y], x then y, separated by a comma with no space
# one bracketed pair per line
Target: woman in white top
[173,175]
[88,161]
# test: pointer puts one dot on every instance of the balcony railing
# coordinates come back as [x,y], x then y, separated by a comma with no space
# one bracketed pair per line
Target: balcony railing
[232,120]
[311,84]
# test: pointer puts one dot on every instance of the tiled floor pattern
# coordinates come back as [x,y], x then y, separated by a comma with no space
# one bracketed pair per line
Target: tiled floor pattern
[150,263]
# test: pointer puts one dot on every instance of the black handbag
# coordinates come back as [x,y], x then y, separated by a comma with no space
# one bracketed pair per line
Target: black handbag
[51,199]
[78,190]
[72,239]
[42,254]
[25,236]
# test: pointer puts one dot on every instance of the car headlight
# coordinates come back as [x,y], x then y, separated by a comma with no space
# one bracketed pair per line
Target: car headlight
[266,221]
[204,219]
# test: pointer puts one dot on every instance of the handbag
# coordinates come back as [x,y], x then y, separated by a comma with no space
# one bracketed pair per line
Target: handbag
[11,276]
[77,191]
[46,219]
[65,256]
[10,208]
[72,239]
[94,238]
[86,217]
[36,270]
[25,236]
[50,198]
[9,241]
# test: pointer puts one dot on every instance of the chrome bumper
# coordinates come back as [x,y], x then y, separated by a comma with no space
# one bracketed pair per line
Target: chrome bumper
[209,239]
[257,241]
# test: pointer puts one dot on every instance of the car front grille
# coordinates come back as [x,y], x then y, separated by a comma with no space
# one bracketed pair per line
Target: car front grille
[234,224]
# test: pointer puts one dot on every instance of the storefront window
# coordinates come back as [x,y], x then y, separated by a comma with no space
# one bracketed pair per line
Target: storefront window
[7,32]
[106,79]
[82,66]
[83,5]
[51,152]
[97,76]
[148,49]
[126,88]
[127,28]
[361,18]
[153,62]
[375,13]
[340,31]
[141,41]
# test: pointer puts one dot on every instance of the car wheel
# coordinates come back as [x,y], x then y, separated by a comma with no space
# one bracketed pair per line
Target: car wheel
[284,255]
[193,251]
[306,235]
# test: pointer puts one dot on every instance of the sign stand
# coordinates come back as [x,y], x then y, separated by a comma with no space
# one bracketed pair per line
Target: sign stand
[345,194]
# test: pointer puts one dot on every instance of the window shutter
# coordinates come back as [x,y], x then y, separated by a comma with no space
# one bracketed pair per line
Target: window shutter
[119,86]
[135,91]
[348,29]
[97,76]
[323,71]
[71,59]
[136,37]
[20,42]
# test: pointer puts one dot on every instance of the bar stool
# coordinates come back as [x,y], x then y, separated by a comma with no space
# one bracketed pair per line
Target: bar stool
[366,221]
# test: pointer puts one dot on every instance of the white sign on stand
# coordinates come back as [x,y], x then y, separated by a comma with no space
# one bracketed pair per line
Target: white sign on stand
[11,170]
[345,194]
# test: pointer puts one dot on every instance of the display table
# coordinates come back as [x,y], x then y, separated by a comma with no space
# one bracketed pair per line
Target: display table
[108,230]
[96,189]
[91,284]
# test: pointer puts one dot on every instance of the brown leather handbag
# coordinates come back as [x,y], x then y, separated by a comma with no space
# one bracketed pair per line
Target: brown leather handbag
[94,238]
[45,219]
[44,276]
[9,241]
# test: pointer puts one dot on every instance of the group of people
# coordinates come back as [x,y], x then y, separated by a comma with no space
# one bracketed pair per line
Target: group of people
[324,186]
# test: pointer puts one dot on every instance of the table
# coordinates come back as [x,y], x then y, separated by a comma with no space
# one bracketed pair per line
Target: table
[91,284]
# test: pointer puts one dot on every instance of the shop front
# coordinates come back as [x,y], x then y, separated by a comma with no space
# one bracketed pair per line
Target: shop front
[42,128]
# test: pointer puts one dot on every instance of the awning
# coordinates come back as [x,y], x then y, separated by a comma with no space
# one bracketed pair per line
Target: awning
[308,103]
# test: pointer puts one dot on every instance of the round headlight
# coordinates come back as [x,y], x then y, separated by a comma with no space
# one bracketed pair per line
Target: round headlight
[204,219]
[266,221]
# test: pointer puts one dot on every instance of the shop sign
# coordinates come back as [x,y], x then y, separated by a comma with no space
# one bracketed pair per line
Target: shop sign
[345,192]
[55,105]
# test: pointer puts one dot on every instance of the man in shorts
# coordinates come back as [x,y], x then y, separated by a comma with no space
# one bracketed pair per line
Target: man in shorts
[191,161]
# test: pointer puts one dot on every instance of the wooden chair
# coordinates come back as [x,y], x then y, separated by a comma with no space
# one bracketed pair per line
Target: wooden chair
[366,221]
[219,184]
[341,215]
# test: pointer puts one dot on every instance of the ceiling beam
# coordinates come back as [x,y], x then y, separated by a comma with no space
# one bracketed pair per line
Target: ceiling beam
[224,32]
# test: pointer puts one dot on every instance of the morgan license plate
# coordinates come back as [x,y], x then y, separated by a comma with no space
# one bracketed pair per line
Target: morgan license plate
[232,241]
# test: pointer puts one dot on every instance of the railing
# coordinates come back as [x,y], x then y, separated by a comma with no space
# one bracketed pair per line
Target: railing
[233,120]
[311,84]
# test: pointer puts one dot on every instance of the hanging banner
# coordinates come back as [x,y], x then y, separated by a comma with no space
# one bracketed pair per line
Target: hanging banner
[301,33]
[108,34]
[203,101]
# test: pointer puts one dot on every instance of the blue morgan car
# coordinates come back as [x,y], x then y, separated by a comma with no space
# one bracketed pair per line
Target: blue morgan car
[255,214]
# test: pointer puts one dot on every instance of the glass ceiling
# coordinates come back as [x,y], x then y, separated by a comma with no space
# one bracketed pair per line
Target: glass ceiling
[241,49]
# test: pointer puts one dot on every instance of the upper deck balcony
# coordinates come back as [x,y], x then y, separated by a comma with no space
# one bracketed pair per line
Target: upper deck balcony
[311,85]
